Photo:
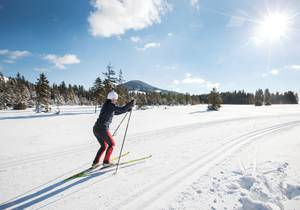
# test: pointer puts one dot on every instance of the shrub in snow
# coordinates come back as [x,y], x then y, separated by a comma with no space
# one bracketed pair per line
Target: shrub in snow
[259,97]
[20,106]
[267,97]
[214,100]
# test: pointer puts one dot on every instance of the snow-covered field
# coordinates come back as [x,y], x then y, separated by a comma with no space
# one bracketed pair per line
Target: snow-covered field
[242,157]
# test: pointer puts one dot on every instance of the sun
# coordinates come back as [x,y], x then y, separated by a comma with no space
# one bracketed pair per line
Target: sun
[273,27]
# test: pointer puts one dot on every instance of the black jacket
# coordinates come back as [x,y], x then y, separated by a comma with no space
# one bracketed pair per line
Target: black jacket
[108,110]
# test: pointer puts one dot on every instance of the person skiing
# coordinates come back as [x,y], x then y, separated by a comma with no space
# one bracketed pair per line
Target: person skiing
[101,127]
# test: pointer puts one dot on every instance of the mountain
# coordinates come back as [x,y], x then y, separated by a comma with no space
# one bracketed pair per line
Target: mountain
[137,85]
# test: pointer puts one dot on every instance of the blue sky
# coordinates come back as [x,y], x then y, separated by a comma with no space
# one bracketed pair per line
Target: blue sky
[183,45]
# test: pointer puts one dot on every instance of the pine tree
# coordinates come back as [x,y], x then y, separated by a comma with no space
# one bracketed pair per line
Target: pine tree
[63,91]
[2,92]
[259,97]
[291,97]
[214,100]
[120,78]
[141,100]
[9,93]
[110,80]
[267,97]
[72,97]
[20,92]
[57,99]
[121,90]
[98,91]
[43,93]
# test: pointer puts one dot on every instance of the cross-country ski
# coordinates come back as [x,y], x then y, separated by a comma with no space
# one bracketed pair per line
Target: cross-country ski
[84,172]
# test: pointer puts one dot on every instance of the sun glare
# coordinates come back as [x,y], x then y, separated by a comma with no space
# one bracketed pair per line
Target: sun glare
[273,27]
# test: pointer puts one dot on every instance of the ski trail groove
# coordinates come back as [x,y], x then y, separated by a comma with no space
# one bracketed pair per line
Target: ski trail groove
[170,131]
[149,196]
[47,156]
[185,170]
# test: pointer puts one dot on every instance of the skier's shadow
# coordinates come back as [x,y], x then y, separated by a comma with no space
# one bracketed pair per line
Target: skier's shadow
[46,194]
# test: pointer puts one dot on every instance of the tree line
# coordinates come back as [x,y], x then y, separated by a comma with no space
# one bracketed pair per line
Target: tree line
[18,93]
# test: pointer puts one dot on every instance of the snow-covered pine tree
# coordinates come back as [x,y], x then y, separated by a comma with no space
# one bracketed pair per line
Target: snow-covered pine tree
[121,90]
[43,93]
[63,91]
[9,94]
[259,97]
[214,100]
[21,91]
[110,80]
[141,100]
[98,92]
[267,97]
[291,97]
[73,99]
[58,100]
[2,92]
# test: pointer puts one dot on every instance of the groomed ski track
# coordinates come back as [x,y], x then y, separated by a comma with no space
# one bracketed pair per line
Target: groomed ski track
[157,190]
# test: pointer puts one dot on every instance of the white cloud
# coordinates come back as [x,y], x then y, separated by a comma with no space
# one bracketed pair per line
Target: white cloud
[3,52]
[14,55]
[115,17]
[195,4]
[274,72]
[41,69]
[293,67]
[191,80]
[170,34]
[135,39]
[60,62]
[18,54]
[149,45]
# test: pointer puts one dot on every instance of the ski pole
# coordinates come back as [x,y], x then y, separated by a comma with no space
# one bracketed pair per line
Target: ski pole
[120,124]
[123,141]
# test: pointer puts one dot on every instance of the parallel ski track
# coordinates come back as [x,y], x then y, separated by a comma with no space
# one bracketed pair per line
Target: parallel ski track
[92,147]
[148,196]
[145,197]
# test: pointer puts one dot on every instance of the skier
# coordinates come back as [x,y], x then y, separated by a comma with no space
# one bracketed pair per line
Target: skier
[101,127]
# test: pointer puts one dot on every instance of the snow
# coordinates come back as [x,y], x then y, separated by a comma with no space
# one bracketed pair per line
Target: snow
[5,79]
[242,157]
[136,92]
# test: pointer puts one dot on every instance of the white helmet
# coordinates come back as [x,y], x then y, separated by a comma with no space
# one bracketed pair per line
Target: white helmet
[112,95]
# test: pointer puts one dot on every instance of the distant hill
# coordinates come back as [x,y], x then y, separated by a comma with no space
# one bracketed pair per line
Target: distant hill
[137,85]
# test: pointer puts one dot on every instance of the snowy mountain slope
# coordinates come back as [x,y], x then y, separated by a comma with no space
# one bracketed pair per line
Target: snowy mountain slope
[138,85]
[190,149]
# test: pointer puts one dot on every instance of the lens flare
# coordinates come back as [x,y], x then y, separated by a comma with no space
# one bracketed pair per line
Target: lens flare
[273,27]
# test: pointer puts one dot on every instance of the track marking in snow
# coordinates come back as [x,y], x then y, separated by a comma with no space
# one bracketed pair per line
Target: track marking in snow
[92,147]
[188,128]
[150,196]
